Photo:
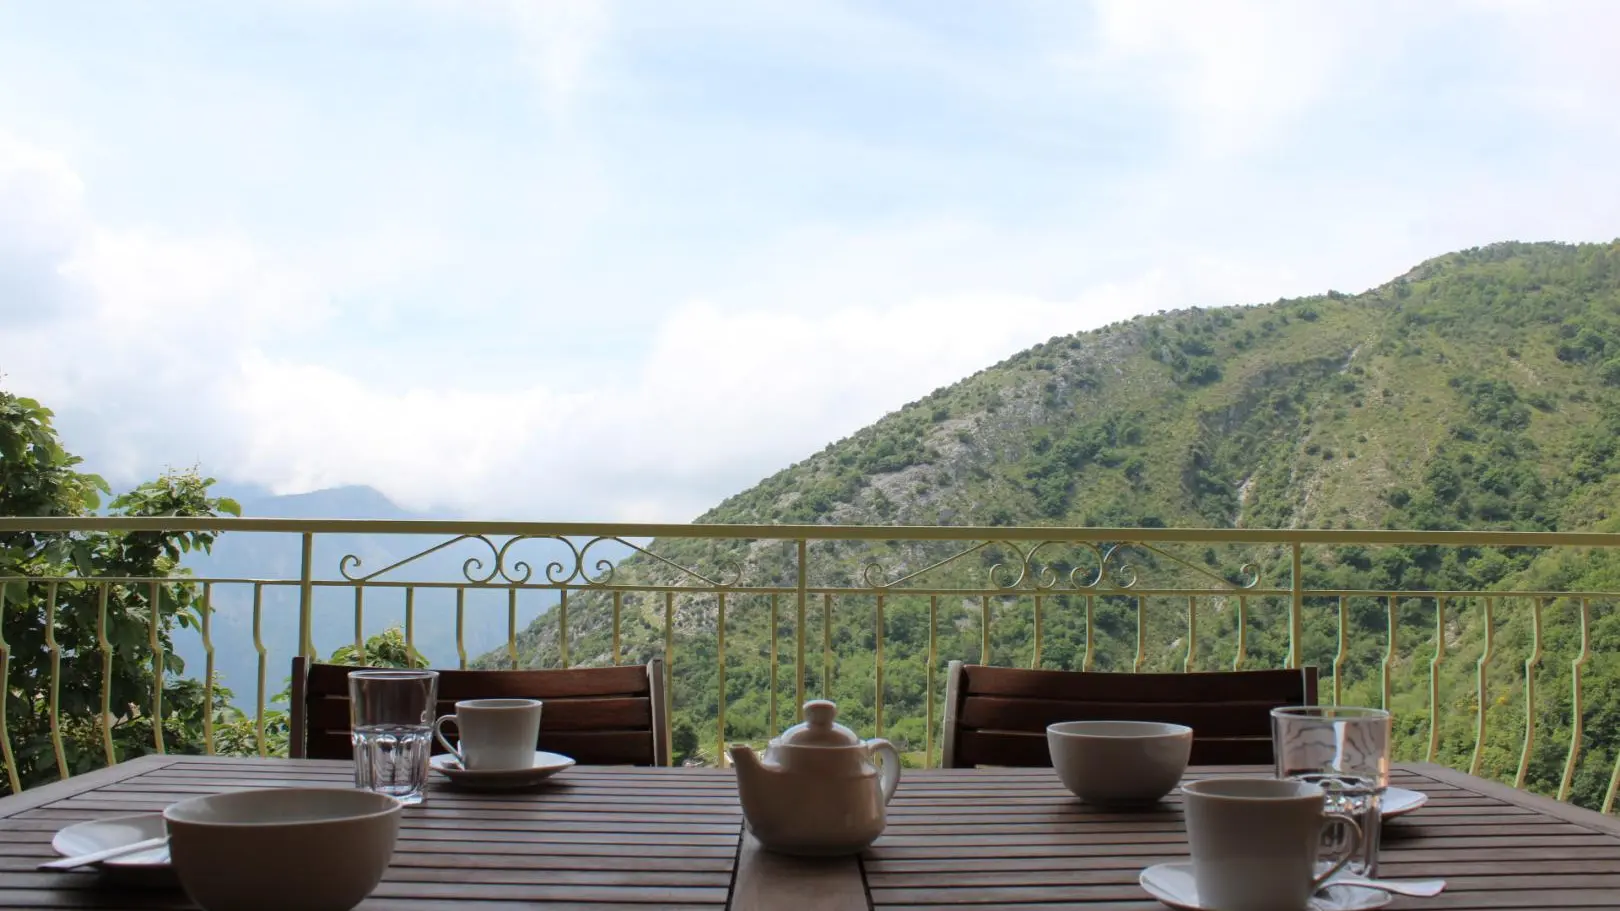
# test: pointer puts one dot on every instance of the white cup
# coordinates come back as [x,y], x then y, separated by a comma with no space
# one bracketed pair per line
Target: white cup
[1255,842]
[497,735]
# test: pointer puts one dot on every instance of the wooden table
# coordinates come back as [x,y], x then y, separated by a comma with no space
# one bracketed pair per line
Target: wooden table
[619,838]
[1005,839]
[599,839]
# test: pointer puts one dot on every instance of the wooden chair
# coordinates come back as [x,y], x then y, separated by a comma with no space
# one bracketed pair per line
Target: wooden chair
[597,715]
[998,715]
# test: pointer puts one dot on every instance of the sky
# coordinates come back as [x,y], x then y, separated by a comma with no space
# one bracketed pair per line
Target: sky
[615,261]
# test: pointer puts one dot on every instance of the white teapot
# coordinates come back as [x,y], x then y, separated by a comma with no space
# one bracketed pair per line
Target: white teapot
[816,792]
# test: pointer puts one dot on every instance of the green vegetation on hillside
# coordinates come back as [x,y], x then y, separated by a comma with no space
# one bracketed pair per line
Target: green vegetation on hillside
[1481,390]
[53,631]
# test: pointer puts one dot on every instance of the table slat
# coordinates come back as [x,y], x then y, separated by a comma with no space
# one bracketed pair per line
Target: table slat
[591,839]
[986,839]
[607,838]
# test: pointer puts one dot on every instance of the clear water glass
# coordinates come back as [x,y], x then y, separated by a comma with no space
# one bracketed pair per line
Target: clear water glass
[391,714]
[1346,751]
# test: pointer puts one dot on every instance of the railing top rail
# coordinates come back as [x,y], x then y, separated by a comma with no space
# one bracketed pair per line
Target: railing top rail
[1026,533]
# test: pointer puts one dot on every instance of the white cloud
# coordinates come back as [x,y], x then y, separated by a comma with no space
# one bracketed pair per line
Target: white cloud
[474,328]
[40,200]
[126,331]
[560,38]
[1239,73]
[173,360]
[41,222]
[557,40]
[1236,71]
[722,399]
[199,289]
[1565,64]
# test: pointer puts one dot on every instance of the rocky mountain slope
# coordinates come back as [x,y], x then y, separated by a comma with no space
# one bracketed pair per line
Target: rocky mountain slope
[1480,390]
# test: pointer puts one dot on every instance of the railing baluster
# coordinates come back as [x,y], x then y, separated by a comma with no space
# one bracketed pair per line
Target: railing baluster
[461,627]
[511,627]
[800,631]
[1577,704]
[933,658]
[152,626]
[5,689]
[105,645]
[410,626]
[1296,607]
[1091,633]
[1340,655]
[826,646]
[774,621]
[1530,665]
[1434,676]
[1484,691]
[1141,635]
[1035,658]
[306,596]
[1614,784]
[360,625]
[877,665]
[1188,662]
[669,659]
[618,608]
[984,630]
[258,646]
[1393,623]
[208,668]
[562,627]
[54,698]
[720,670]
[1242,655]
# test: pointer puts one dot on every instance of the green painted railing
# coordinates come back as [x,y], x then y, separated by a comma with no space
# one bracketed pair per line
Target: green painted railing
[1482,678]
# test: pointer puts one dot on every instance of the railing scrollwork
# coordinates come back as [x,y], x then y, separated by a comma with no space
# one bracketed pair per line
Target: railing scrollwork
[470,569]
[576,569]
[1107,570]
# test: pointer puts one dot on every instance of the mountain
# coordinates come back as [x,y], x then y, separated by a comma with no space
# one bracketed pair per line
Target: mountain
[278,556]
[1480,390]
[349,502]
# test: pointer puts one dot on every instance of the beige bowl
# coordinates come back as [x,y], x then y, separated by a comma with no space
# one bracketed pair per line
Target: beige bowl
[1110,762]
[319,849]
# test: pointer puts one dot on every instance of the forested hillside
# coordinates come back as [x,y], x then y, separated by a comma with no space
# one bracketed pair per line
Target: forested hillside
[1481,390]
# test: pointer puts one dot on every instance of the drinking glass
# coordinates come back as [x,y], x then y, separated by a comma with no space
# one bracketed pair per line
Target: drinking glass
[391,714]
[1345,751]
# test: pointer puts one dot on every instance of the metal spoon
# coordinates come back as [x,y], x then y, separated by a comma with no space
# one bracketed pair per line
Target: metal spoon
[69,863]
[1418,888]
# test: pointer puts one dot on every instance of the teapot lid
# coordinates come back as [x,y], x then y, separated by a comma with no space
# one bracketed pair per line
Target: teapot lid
[819,729]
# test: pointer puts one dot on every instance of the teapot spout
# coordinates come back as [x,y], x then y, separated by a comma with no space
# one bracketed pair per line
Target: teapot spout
[743,758]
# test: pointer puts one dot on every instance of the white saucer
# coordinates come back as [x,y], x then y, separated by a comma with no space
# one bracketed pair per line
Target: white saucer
[1400,801]
[1173,884]
[98,834]
[545,766]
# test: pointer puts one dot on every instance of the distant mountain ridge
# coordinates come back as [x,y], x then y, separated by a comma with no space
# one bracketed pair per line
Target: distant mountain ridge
[355,501]
[278,556]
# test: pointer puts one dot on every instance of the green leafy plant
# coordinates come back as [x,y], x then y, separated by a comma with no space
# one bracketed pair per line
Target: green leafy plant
[81,651]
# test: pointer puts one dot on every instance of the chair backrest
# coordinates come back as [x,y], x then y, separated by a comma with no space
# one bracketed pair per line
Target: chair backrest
[998,715]
[596,715]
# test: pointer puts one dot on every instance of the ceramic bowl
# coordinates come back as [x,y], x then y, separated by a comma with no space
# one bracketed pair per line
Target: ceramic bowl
[1111,762]
[319,849]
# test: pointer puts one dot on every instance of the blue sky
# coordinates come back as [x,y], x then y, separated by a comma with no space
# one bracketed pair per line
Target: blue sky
[598,260]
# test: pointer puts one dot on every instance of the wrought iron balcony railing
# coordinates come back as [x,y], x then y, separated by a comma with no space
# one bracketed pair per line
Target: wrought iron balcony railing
[1483,643]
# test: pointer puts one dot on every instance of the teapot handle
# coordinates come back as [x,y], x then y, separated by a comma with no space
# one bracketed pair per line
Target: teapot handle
[889,769]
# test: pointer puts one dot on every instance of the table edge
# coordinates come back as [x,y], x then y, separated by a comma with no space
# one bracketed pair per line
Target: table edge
[764,880]
[36,797]
[1568,812]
